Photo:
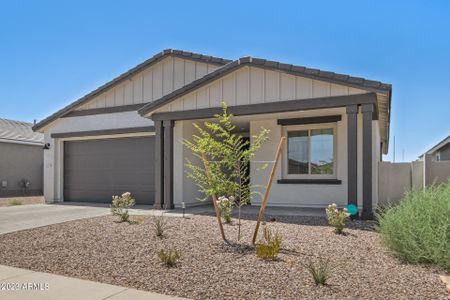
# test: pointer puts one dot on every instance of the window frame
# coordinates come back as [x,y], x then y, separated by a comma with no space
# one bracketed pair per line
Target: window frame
[308,128]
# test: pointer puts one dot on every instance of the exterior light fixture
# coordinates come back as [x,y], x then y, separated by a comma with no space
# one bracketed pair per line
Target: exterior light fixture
[183,206]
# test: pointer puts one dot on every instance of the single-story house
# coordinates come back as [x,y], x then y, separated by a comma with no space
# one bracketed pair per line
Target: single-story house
[439,152]
[21,159]
[436,163]
[126,135]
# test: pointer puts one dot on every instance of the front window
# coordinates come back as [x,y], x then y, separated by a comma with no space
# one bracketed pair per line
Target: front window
[309,152]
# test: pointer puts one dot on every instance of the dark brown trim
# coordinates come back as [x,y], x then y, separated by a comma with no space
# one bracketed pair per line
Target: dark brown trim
[367,160]
[168,164]
[128,74]
[159,165]
[352,154]
[102,132]
[309,120]
[272,107]
[309,181]
[381,151]
[103,110]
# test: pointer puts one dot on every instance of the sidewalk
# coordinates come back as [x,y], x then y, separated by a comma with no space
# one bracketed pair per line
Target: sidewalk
[18,283]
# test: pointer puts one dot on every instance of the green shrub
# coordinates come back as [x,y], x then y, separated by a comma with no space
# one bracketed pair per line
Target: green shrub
[417,230]
[14,202]
[169,258]
[159,225]
[121,204]
[336,217]
[270,247]
[320,271]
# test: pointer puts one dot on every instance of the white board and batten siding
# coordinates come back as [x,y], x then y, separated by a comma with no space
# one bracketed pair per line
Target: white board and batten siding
[252,85]
[152,83]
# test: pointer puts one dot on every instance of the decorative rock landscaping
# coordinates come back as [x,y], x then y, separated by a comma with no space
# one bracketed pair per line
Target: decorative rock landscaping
[101,249]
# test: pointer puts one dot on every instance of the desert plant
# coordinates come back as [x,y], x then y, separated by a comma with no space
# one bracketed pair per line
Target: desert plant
[137,219]
[226,207]
[320,270]
[170,257]
[24,184]
[270,246]
[229,155]
[417,230]
[336,217]
[121,204]
[159,225]
[14,202]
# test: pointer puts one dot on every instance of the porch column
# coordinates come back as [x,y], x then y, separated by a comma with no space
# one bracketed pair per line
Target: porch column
[168,164]
[352,152]
[367,111]
[159,166]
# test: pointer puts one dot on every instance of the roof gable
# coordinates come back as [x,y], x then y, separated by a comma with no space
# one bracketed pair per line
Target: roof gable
[315,74]
[151,83]
[254,85]
[108,90]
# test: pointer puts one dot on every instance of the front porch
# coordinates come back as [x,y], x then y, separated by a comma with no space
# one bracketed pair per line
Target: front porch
[351,136]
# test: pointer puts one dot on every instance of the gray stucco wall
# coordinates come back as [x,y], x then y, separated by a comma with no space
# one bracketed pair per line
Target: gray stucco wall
[17,162]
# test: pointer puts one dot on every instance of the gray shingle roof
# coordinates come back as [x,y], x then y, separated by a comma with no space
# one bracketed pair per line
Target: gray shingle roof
[18,131]
[128,74]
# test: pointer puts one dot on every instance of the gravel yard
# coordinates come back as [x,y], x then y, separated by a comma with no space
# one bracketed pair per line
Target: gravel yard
[9,201]
[101,249]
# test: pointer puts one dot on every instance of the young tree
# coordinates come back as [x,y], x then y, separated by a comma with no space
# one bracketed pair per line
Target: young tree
[229,155]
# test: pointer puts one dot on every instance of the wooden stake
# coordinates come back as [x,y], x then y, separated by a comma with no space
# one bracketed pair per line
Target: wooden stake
[214,198]
[268,186]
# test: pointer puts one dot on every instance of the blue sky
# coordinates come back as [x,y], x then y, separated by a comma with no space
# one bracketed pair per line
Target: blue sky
[52,53]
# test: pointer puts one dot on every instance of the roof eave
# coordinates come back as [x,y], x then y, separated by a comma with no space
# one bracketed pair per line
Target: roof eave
[21,142]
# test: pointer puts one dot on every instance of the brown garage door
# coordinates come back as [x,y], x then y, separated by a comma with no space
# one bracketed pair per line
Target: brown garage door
[95,170]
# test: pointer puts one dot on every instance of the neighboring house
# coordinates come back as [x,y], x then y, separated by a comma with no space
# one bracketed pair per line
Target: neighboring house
[125,136]
[439,152]
[436,163]
[21,159]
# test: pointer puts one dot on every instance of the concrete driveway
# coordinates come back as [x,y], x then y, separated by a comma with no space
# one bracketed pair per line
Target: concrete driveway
[14,218]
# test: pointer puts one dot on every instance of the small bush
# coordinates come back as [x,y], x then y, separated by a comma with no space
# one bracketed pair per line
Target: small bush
[170,257]
[417,230]
[270,247]
[320,271]
[14,202]
[336,217]
[121,204]
[226,207]
[159,225]
[137,219]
